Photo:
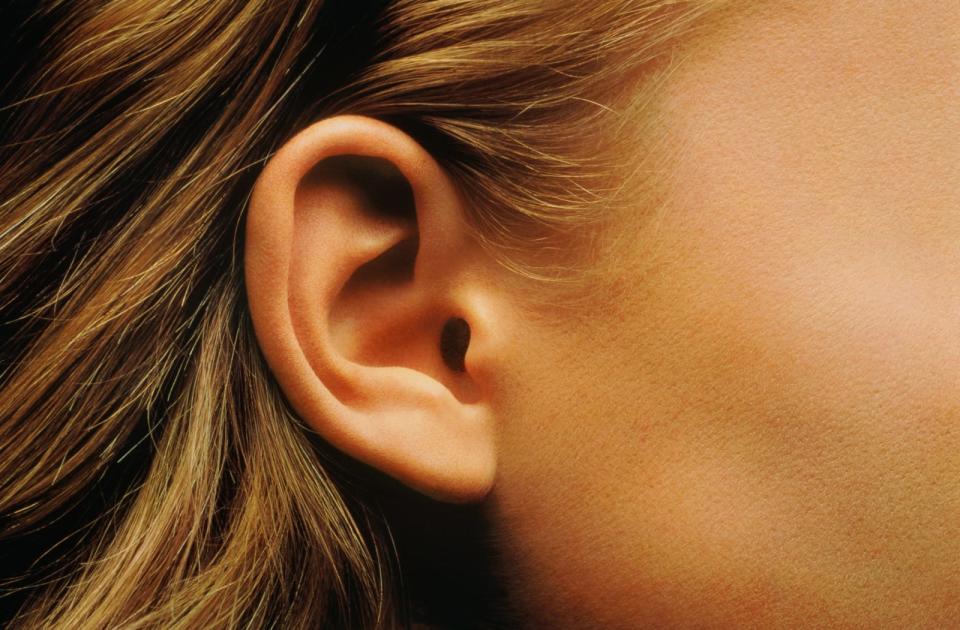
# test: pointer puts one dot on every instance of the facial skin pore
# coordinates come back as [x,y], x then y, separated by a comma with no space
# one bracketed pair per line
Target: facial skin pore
[763,428]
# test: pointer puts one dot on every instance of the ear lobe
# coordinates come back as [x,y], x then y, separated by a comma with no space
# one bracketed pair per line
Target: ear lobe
[356,258]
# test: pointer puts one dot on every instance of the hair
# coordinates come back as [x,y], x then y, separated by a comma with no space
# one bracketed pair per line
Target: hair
[151,472]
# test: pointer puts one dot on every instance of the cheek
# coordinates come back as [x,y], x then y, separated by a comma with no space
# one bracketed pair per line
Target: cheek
[765,420]
[763,415]
[814,317]
[763,425]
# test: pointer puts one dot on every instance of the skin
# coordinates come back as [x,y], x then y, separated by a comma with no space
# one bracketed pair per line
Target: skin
[762,429]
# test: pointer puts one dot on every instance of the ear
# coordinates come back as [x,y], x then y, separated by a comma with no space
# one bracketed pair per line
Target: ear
[359,281]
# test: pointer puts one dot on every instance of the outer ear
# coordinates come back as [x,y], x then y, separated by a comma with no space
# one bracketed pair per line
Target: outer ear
[356,262]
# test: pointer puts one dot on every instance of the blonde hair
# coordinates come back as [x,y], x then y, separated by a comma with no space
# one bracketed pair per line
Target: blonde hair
[144,448]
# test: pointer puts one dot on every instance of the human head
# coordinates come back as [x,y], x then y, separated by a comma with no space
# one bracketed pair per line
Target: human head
[484,175]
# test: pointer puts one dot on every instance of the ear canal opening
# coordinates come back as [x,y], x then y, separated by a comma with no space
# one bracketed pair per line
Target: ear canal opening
[454,342]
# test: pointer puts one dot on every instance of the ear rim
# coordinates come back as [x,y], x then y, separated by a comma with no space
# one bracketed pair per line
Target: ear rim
[458,477]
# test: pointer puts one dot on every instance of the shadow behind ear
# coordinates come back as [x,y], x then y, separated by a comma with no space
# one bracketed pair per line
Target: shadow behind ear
[452,566]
